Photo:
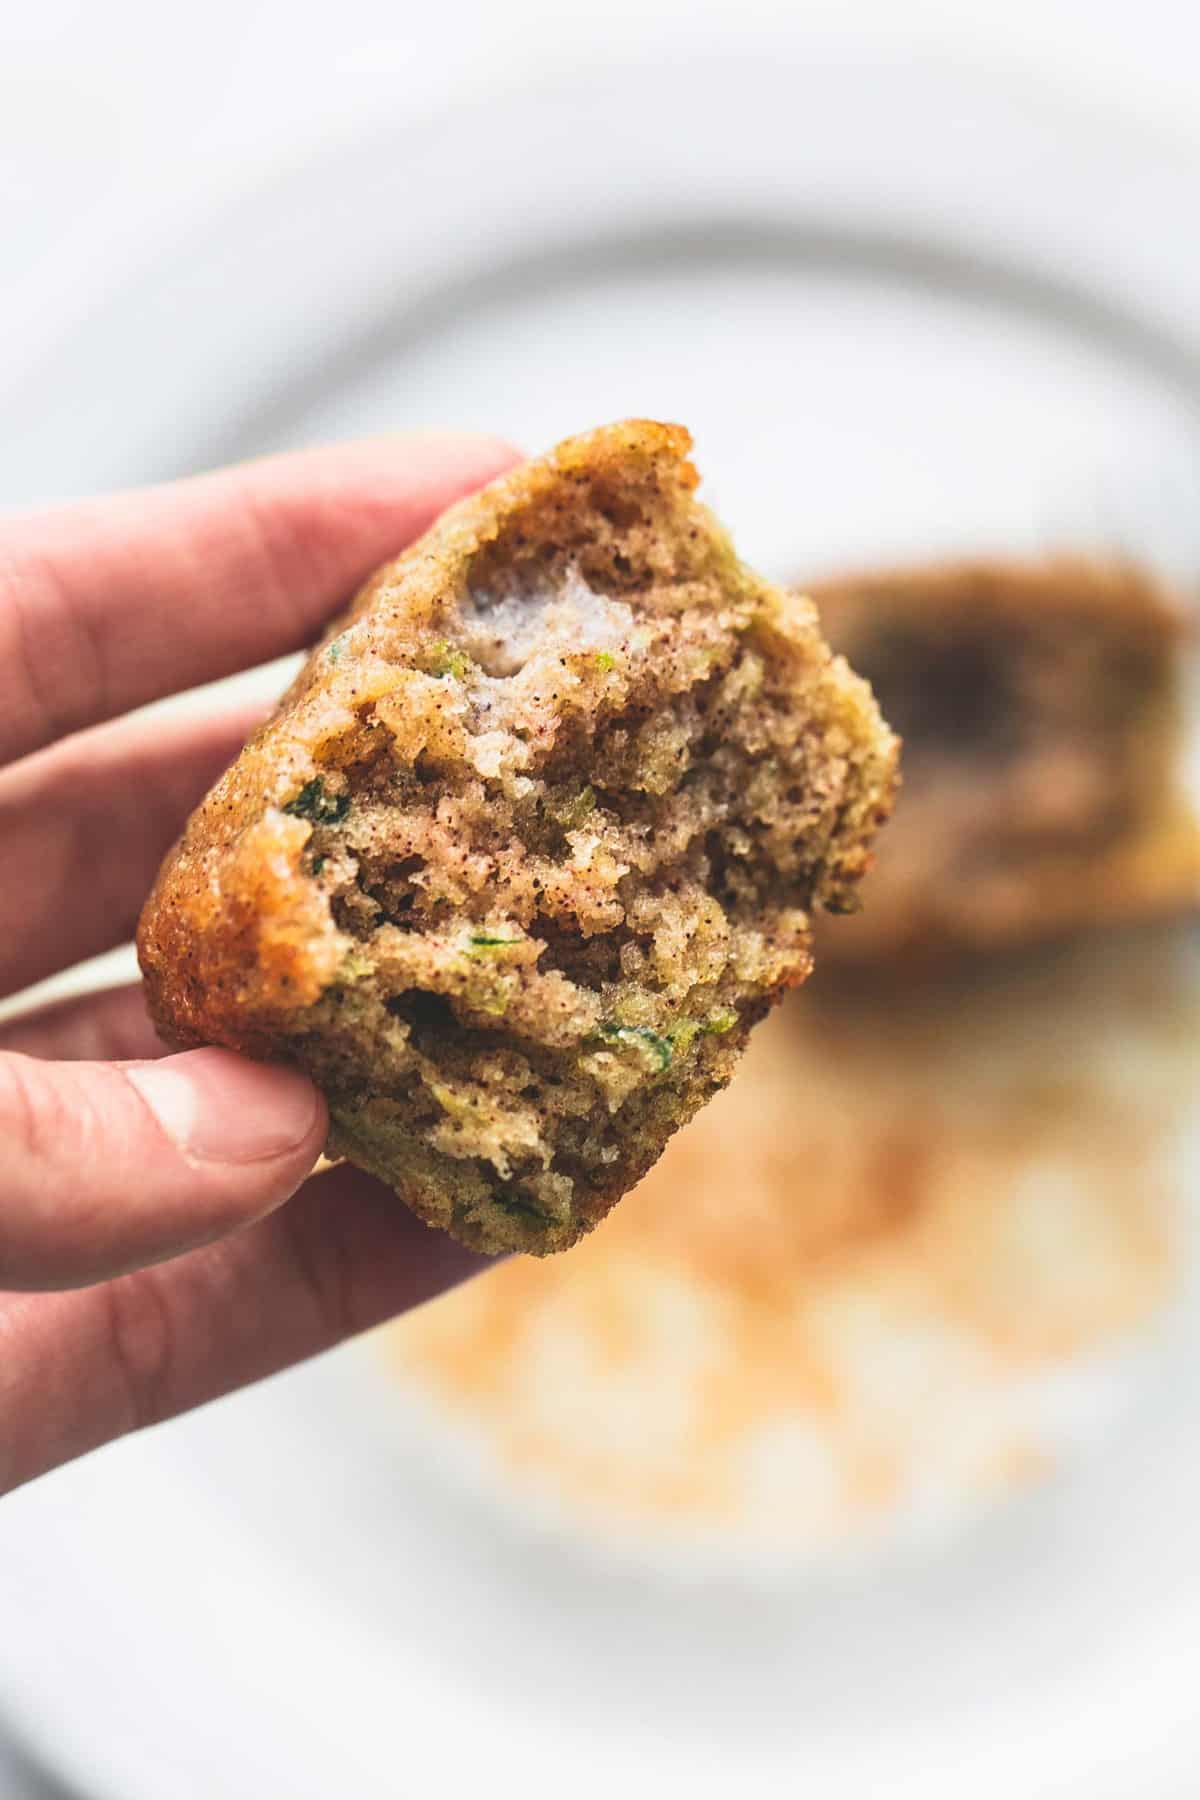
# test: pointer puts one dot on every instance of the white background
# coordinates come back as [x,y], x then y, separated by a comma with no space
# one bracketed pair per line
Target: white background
[113,114]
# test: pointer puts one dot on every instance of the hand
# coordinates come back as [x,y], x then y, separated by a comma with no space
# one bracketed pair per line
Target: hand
[148,1190]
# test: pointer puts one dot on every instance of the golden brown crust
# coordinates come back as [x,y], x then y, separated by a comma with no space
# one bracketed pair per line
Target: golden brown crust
[1040,709]
[530,844]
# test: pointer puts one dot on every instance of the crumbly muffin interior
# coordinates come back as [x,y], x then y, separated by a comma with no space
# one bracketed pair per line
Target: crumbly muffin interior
[553,807]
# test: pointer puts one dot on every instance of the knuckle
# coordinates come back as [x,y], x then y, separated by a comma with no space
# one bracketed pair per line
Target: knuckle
[320,1253]
[140,1343]
[39,1147]
[51,651]
[279,544]
[60,1137]
[17,1105]
[36,1119]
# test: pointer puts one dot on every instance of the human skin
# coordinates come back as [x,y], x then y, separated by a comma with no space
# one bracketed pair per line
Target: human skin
[162,1237]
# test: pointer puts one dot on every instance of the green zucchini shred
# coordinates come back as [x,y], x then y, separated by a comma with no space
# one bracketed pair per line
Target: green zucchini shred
[639,1037]
[683,1035]
[313,804]
[663,1046]
[575,811]
[354,966]
[449,662]
[514,1203]
[719,1022]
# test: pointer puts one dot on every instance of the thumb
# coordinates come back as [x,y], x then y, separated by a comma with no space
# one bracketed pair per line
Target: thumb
[107,1166]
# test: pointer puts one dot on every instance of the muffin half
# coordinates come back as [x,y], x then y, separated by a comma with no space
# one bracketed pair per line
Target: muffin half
[530,844]
[1040,707]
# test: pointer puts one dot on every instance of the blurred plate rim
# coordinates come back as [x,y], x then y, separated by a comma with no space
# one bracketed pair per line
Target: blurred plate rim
[996,181]
[1013,178]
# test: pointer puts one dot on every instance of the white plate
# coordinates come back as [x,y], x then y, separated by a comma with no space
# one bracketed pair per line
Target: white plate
[905,310]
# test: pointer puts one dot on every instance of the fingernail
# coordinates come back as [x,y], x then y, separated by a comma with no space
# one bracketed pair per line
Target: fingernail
[219,1107]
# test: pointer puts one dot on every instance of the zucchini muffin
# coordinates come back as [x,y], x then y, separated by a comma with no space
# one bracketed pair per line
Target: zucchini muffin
[530,844]
[1040,707]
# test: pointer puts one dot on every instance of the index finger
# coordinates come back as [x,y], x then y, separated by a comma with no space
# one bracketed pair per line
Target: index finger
[109,603]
